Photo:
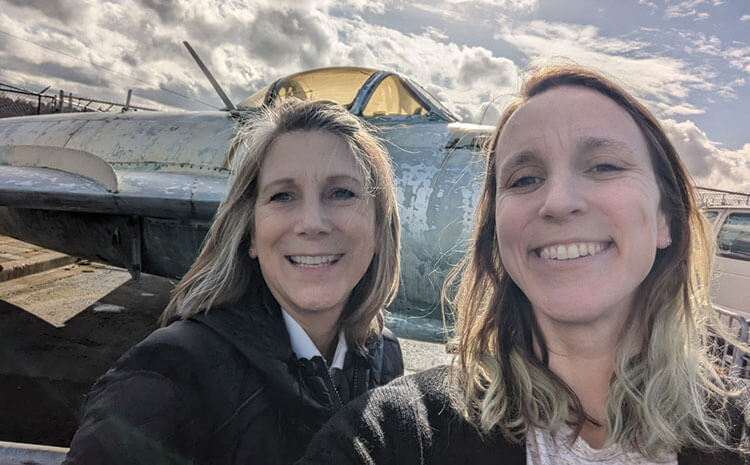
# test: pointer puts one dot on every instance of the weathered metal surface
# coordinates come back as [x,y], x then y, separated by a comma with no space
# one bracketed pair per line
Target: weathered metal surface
[437,189]
[195,142]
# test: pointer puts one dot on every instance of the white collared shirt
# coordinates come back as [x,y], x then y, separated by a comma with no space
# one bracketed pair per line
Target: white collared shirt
[303,346]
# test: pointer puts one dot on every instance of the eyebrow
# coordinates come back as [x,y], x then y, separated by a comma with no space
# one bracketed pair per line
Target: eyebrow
[292,181]
[590,144]
[587,145]
[519,159]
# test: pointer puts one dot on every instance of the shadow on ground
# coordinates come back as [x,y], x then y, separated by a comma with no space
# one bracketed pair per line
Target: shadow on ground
[46,372]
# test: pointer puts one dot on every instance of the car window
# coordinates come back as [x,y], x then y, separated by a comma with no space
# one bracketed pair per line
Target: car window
[393,98]
[734,237]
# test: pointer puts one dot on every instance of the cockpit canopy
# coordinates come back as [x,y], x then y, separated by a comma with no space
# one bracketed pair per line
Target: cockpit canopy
[365,92]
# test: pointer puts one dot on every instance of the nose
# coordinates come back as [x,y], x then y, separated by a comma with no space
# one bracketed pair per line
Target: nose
[563,198]
[313,219]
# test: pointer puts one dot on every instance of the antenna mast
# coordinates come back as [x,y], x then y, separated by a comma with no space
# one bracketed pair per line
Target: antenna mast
[230,106]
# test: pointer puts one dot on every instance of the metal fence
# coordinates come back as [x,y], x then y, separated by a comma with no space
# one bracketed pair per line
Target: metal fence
[730,356]
[15,101]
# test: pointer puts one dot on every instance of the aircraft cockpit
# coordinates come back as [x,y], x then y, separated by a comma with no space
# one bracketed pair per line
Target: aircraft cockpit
[365,92]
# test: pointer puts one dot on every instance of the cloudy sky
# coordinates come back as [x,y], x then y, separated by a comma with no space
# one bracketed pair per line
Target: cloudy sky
[688,60]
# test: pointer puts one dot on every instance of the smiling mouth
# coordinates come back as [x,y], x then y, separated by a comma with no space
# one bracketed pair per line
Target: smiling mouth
[312,261]
[572,251]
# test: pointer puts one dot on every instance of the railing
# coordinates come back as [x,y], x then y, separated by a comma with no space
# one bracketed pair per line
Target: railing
[721,198]
[731,357]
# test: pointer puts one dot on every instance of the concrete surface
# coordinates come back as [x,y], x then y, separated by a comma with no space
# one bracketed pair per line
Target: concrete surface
[13,453]
[19,259]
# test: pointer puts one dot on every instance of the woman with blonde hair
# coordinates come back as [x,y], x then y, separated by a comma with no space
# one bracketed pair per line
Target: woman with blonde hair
[279,322]
[584,322]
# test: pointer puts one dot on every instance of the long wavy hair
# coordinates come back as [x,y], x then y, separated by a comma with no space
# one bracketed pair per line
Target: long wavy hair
[666,392]
[224,272]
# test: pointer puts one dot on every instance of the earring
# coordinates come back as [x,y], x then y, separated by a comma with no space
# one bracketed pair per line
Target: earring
[669,242]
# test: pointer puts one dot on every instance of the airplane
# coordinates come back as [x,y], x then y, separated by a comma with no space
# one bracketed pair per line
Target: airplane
[138,190]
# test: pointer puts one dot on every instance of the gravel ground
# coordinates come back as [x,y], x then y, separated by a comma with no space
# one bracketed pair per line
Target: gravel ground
[419,355]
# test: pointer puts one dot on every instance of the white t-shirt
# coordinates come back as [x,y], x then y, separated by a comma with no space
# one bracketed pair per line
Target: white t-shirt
[303,346]
[546,448]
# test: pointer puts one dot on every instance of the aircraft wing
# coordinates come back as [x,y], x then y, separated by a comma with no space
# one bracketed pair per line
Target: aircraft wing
[105,186]
[163,195]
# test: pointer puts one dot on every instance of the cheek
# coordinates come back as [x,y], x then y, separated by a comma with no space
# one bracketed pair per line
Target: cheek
[509,222]
[266,228]
[508,235]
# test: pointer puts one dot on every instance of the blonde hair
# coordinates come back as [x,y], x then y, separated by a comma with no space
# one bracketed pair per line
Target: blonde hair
[224,272]
[664,379]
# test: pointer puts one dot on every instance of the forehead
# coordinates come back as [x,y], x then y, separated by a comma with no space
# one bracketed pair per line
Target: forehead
[564,116]
[309,153]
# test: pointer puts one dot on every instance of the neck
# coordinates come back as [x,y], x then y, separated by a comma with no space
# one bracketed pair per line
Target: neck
[583,357]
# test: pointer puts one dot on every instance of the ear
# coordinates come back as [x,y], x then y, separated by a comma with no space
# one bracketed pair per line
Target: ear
[663,234]
[253,252]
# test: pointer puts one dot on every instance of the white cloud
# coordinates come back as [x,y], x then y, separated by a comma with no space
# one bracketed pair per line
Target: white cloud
[682,108]
[246,45]
[745,18]
[664,80]
[512,5]
[728,91]
[435,34]
[739,58]
[709,163]
[479,66]
[475,11]
[683,9]
[737,55]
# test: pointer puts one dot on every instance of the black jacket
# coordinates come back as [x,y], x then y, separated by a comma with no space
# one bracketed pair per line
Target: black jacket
[413,421]
[221,388]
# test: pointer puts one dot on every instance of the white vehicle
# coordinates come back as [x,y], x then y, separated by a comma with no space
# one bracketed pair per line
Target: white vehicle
[729,214]
[730,289]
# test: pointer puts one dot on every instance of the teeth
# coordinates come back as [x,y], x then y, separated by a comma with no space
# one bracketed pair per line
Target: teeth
[316,260]
[571,251]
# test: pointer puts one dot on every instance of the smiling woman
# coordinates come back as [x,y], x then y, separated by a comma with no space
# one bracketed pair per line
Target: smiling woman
[279,322]
[584,325]
[314,229]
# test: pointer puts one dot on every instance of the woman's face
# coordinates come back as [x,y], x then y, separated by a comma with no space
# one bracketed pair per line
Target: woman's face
[577,206]
[314,233]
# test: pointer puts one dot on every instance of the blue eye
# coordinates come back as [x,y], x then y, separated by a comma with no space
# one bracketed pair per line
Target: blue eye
[526,181]
[281,197]
[342,193]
